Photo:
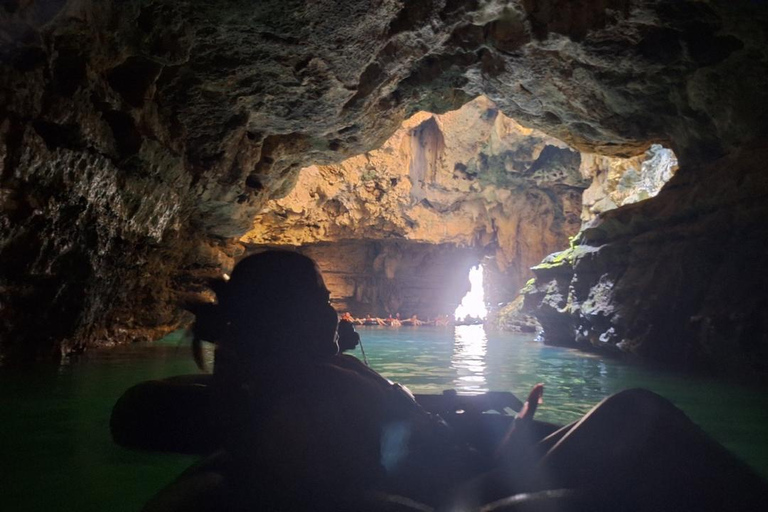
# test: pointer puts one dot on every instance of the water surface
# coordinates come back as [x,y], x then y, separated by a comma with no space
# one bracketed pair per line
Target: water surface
[55,421]
[470,359]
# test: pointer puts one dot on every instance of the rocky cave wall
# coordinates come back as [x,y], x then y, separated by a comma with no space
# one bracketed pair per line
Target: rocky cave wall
[388,277]
[676,279]
[139,138]
[620,181]
[470,178]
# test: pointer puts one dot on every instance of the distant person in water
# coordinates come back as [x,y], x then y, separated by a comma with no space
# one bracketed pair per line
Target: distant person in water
[414,320]
[369,320]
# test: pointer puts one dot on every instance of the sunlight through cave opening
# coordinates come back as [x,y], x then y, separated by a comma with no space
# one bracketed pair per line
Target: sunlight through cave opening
[473,303]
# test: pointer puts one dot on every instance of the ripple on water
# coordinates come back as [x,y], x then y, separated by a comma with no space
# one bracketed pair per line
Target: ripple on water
[472,360]
[56,421]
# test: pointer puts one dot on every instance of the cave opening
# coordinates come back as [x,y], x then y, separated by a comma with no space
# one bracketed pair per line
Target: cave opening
[150,146]
[473,305]
[471,183]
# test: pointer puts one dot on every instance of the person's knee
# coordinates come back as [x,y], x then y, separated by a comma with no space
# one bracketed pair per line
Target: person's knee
[638,402]
[631,413]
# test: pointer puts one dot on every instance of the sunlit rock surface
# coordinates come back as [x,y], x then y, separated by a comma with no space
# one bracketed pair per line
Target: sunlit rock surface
[678,278]
[515,317]
[620,181]
[472,178]
[139,138]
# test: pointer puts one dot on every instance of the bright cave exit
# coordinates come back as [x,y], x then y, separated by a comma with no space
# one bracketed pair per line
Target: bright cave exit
[472,307]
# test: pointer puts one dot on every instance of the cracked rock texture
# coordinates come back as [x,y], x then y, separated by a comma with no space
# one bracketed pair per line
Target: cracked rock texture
[677,278]
[472,178]
[620,181]
[139,138]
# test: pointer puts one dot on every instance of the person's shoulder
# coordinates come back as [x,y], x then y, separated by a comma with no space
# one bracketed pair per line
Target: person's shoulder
[346,361]
[342,367]
[351,363]
[343,380]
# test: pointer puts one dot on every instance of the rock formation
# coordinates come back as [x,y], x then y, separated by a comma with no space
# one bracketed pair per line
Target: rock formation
[139,138]
[388,277]
[675,278]
[620,181]
[471,178]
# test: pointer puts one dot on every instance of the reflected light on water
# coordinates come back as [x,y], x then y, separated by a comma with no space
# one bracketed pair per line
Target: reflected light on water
[473,303]
[468,359]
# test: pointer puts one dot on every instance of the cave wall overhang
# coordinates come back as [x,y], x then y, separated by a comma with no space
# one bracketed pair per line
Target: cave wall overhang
[470,178]
[138,138]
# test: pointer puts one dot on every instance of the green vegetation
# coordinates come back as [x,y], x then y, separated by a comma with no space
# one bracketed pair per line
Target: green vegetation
[557,260]
[529,287]
[369,173]
[564,258]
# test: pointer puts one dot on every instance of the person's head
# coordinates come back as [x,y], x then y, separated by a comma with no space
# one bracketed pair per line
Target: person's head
[349,339]
[274,303]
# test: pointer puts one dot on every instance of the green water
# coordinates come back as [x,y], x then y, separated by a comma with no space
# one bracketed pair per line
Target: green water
[54,422]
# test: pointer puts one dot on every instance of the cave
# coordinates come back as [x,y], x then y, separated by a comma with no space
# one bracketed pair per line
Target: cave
[603,160]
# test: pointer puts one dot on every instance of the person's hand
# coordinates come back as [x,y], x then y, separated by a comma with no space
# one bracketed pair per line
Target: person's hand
[530,405]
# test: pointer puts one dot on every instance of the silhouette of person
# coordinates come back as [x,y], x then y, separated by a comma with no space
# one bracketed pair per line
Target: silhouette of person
[307,429]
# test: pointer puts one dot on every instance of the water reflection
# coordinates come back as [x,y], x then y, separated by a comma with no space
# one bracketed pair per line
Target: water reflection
[574,381]
[57,420]
[468,359]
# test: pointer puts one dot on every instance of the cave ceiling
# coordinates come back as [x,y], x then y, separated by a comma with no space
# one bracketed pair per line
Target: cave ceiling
[138,138]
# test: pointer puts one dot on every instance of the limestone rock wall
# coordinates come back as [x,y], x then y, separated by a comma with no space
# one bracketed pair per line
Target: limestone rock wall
[677,278]
[471,178]
[139,138]
[620,181]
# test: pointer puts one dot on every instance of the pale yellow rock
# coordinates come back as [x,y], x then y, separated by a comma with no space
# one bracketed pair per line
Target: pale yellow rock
[620,181]
[463,178]
[471,177]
